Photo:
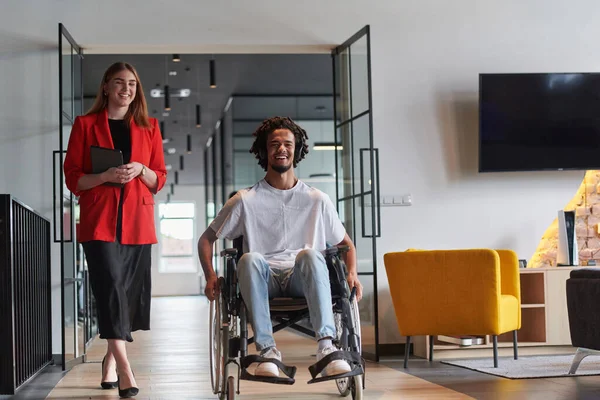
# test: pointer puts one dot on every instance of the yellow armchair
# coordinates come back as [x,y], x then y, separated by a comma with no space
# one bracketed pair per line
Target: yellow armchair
[455,292]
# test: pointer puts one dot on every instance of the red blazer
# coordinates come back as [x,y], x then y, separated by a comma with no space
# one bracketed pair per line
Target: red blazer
[99,205]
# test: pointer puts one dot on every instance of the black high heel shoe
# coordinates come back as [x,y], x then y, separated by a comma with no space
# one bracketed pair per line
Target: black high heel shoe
[129,392]
[108,385]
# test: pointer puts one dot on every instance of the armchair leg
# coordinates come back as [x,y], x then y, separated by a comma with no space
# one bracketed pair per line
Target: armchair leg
[430,348]
[515,347]
[495,339]
[406,350]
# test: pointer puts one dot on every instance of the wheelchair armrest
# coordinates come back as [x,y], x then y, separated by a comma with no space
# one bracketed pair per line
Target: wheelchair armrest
[231,252]
[336,250]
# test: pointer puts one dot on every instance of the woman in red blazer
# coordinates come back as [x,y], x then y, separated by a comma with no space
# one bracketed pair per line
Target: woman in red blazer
[116,225]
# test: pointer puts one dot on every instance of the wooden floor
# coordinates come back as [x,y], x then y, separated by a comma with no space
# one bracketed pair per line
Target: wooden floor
[171,362]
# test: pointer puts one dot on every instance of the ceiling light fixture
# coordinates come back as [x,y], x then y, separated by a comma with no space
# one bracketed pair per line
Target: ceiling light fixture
[156,93]
[181,162]
[327,146]
[172,189]
[198,116]
[189,144]
[213,73]
[176,58]
[177,177]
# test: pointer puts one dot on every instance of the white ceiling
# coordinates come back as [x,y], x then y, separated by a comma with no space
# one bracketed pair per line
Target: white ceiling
[191,26]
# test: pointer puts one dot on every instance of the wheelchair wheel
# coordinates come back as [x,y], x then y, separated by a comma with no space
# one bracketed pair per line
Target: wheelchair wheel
[216,345]
[352,385]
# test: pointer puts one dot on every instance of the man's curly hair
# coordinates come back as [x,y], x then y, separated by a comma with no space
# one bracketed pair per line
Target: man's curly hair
[259,147]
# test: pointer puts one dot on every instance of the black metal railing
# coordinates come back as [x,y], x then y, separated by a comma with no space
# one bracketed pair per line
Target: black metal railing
[25,286]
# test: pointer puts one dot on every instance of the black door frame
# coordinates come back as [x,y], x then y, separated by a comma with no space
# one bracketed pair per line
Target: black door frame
[374,170]
[64,33]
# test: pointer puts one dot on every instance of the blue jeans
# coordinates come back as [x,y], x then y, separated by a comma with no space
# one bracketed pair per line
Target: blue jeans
[309,278]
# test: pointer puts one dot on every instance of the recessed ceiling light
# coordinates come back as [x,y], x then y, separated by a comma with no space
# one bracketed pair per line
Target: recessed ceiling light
[172,73]
[171,150]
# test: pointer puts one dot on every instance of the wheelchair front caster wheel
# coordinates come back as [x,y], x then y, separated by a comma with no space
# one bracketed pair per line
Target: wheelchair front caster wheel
[230,388]
[357,387]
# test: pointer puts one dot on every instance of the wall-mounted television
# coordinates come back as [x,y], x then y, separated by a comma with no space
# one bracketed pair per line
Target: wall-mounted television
[539,121]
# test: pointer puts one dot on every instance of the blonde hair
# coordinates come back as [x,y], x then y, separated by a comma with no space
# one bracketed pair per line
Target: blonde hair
[138,109]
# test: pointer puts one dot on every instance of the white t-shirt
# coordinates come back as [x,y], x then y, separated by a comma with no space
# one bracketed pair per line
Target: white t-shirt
[280,223]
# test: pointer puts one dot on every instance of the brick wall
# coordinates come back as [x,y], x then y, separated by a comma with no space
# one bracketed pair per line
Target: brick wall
[586,204]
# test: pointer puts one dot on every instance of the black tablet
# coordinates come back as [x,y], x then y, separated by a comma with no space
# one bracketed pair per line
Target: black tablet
[104,158]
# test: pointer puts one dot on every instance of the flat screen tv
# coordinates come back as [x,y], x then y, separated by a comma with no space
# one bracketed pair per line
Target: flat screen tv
[541,121]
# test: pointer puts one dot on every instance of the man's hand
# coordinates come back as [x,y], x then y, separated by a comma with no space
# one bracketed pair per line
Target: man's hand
[354,282]
[211,289]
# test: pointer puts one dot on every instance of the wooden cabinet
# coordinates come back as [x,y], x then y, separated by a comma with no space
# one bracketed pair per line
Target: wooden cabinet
[544,318]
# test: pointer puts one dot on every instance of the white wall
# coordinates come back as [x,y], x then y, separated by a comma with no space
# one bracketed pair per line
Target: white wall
[425,98]
[180,284]
[29,133]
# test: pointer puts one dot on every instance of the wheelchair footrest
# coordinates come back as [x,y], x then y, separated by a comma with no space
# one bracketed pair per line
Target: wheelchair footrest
[352,358]
[355,371]
[245,375]
[288,370]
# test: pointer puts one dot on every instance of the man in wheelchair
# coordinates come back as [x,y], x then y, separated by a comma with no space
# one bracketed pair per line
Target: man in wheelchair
[285,225]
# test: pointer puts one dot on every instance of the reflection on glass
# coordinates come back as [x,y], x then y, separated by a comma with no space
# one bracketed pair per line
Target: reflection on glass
[77,87]
[360,76]
[342,85]
[70,321]
[67,77]
[366,308]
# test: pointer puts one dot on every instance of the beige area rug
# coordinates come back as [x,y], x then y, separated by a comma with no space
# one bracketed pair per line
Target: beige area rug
[528,367]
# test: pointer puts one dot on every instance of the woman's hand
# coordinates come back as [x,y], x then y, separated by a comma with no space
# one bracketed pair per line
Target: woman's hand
[111,175]
[123,174]
[130,171]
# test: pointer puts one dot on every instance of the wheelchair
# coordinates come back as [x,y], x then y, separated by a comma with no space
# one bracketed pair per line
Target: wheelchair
[228,338]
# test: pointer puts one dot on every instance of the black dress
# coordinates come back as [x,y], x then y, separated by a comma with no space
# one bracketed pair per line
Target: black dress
[120,275]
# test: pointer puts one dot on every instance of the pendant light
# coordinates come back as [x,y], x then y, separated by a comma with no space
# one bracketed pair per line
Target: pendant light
[167,99]
[172,189]
[166,89]
[213,74]
[181,162]
[198,116]
[189,144]
[176,58]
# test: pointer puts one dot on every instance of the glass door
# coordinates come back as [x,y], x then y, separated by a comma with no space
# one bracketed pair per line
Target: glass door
[74,293]
[357,178]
